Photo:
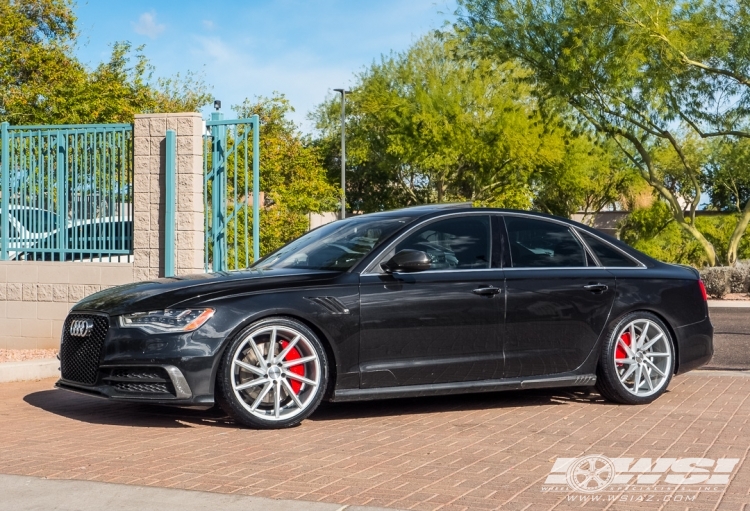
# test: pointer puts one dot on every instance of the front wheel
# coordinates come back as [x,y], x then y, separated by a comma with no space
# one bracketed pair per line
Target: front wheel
[637,360]
[273,374]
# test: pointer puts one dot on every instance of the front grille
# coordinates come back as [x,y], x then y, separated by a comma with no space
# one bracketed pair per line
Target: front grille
[142,388]
[79,356]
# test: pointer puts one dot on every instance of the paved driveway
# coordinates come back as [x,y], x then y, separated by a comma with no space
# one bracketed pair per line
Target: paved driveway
[484,451]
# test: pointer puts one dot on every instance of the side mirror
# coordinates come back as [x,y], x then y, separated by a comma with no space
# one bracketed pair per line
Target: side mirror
[408,261]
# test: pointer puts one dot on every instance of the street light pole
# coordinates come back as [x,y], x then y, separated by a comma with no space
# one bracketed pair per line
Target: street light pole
[343,150]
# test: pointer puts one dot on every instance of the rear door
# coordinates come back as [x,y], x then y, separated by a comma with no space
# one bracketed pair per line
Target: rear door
[557,298]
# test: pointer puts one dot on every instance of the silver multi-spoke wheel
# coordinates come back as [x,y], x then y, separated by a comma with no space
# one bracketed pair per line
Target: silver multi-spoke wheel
[275,372]
[643,357]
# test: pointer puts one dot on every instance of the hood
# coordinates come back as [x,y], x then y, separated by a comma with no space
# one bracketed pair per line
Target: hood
[168,292]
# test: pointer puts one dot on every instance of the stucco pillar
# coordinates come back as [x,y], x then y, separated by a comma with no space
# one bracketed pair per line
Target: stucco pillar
[149,194]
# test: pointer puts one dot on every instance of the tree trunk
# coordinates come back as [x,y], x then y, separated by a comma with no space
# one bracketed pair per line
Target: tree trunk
[739,231]
[708,248]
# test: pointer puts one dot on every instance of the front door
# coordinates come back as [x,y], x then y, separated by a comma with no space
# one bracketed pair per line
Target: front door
[558,300]
[436,326]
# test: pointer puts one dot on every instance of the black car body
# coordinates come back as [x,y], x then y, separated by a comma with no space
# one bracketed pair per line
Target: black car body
[482,325]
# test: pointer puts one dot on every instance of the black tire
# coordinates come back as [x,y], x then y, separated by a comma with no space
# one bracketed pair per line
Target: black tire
[238,408]
[608,381]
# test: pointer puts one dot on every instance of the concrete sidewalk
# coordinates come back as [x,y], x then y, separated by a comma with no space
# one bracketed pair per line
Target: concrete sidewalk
[729,304]
[24,493]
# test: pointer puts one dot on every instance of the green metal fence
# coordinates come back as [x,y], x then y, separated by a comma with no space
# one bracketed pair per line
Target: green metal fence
[230,153]
[66,192]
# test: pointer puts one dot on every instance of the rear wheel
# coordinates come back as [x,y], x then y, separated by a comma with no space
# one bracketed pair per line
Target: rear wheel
[273,374]
[637,361]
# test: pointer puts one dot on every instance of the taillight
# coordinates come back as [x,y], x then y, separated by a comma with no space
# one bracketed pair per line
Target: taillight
[703,290]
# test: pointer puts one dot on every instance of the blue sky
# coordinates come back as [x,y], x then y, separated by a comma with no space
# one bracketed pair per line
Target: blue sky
[303,49]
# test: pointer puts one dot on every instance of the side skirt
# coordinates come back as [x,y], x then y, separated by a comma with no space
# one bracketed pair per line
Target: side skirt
[442,389]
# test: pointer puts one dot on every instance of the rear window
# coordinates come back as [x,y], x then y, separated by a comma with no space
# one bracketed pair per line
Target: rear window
[539,244]
[607,254]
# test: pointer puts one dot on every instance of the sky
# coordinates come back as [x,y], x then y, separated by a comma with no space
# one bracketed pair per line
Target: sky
[244,49]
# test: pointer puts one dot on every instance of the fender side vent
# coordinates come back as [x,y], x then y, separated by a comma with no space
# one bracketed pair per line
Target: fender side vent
[330,304]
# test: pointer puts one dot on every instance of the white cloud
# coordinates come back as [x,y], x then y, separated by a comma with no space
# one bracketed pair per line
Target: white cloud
[208,24]
[236,73]
[148,26]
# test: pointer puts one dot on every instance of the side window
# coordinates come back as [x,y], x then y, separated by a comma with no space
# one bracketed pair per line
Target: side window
[458,243]
[607,255]
[539,244]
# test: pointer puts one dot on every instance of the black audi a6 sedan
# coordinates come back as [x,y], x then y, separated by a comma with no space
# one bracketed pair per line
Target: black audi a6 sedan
[422,301]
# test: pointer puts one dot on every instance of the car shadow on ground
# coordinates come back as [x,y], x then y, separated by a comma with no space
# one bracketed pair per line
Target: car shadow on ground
[100,411]
[454,403]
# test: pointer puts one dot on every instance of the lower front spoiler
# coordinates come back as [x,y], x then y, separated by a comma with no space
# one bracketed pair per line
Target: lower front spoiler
[183,396]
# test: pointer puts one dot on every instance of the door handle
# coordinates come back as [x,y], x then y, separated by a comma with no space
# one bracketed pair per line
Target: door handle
[486,291]
[596,288]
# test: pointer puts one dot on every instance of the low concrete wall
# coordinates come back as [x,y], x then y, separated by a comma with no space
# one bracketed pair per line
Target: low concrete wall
[35,297]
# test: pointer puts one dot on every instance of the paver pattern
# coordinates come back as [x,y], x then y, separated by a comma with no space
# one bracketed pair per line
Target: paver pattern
[482,451]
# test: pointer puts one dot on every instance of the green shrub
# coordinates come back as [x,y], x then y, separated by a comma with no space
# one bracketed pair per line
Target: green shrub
[654,232]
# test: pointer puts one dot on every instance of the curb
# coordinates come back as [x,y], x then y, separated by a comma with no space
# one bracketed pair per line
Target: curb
[743,373]
[29,370]
[729,304]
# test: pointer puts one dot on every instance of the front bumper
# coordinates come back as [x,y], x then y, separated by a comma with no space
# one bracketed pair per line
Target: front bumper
[695,345]
[132,365]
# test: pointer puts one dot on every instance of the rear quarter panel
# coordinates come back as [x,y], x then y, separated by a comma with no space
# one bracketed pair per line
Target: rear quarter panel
[672,293]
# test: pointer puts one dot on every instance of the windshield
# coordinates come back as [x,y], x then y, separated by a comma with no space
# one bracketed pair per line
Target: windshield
[335,246]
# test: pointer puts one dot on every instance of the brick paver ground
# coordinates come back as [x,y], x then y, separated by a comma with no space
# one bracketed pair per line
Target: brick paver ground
[483,451]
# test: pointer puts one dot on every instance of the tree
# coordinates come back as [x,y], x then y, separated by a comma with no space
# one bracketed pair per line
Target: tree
[432,125]
[36,66]
[728,176]
[41,81]
[700,58]
[292,175]
[582,52]
[589,178]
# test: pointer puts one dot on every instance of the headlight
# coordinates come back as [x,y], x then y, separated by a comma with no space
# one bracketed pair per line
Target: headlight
[169,320]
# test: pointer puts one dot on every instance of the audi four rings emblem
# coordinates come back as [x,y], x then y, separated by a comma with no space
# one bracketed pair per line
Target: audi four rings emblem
[81,327]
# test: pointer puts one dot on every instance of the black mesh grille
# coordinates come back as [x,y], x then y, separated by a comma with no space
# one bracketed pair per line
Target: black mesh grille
[139,374]
[79,356]
[142,388]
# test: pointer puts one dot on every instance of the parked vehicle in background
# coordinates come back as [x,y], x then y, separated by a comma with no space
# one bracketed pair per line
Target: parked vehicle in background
[34,235]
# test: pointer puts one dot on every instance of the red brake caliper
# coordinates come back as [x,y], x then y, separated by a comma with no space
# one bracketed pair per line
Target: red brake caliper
[298,369]
[620,351]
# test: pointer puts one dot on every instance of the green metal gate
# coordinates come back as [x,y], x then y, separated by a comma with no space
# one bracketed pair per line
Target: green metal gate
[66,192]
[230,153]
